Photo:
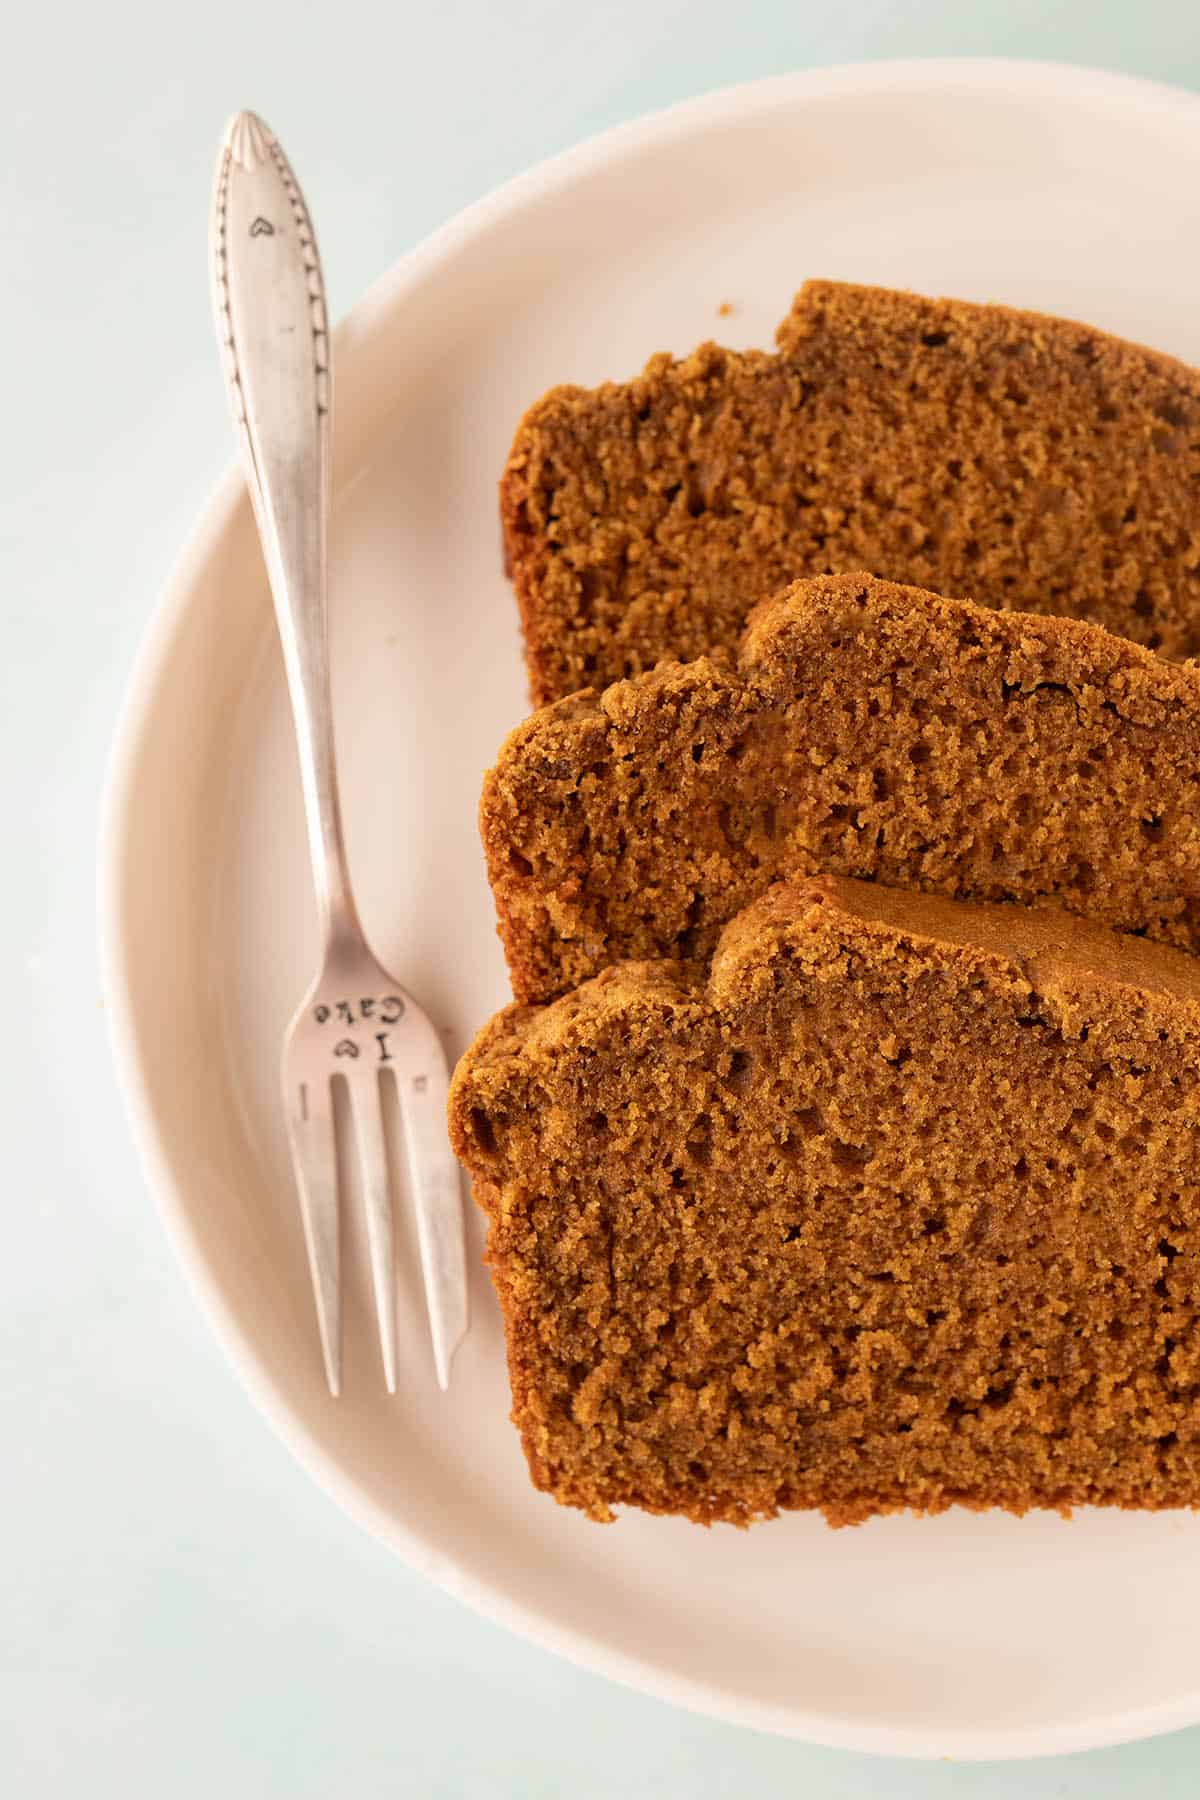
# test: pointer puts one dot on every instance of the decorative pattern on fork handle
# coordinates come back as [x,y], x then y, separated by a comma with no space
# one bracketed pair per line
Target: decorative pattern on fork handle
[250,144]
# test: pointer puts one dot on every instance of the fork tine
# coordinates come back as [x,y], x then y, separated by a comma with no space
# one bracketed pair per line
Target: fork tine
[366,1106]
[436,1198]
[309,1112]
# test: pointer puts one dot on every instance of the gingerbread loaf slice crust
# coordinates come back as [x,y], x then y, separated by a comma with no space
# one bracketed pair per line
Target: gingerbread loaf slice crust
[868,730]
[1032,462]
[893,1206]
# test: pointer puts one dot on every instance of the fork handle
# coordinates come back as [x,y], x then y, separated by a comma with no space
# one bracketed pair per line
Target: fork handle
[270,306]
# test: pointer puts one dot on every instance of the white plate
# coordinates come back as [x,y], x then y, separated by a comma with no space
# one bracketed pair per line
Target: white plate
[1046,187]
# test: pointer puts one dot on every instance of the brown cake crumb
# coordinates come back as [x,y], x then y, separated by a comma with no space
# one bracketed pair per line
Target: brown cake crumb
[893,1206]
[1030,462]
[867,730]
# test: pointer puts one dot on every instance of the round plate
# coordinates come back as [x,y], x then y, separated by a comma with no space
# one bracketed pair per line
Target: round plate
[1050,188]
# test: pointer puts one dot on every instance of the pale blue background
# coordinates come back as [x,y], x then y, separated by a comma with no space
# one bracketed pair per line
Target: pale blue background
[181,1613]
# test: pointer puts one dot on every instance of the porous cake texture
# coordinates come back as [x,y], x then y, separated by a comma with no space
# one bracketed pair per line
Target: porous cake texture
[866,730]
[1030,462]
[892,1205]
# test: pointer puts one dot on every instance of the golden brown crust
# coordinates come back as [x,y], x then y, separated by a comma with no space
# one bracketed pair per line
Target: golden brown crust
[1031,462]
[894,1205]
[868,730]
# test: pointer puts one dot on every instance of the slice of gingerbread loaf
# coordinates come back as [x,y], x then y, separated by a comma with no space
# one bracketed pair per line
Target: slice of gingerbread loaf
[868,730]
[894,1205]
[1032,462]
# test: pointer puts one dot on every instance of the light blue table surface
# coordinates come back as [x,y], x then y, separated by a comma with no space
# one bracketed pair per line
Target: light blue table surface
[182,1614]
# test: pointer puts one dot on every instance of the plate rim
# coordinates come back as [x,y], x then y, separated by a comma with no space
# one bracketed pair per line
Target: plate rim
[1036,78]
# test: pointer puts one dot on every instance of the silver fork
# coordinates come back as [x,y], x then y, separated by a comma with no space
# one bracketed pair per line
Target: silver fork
[356,1024]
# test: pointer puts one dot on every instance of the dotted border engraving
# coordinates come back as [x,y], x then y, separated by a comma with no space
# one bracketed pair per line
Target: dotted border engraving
[250,144]
[225,321]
